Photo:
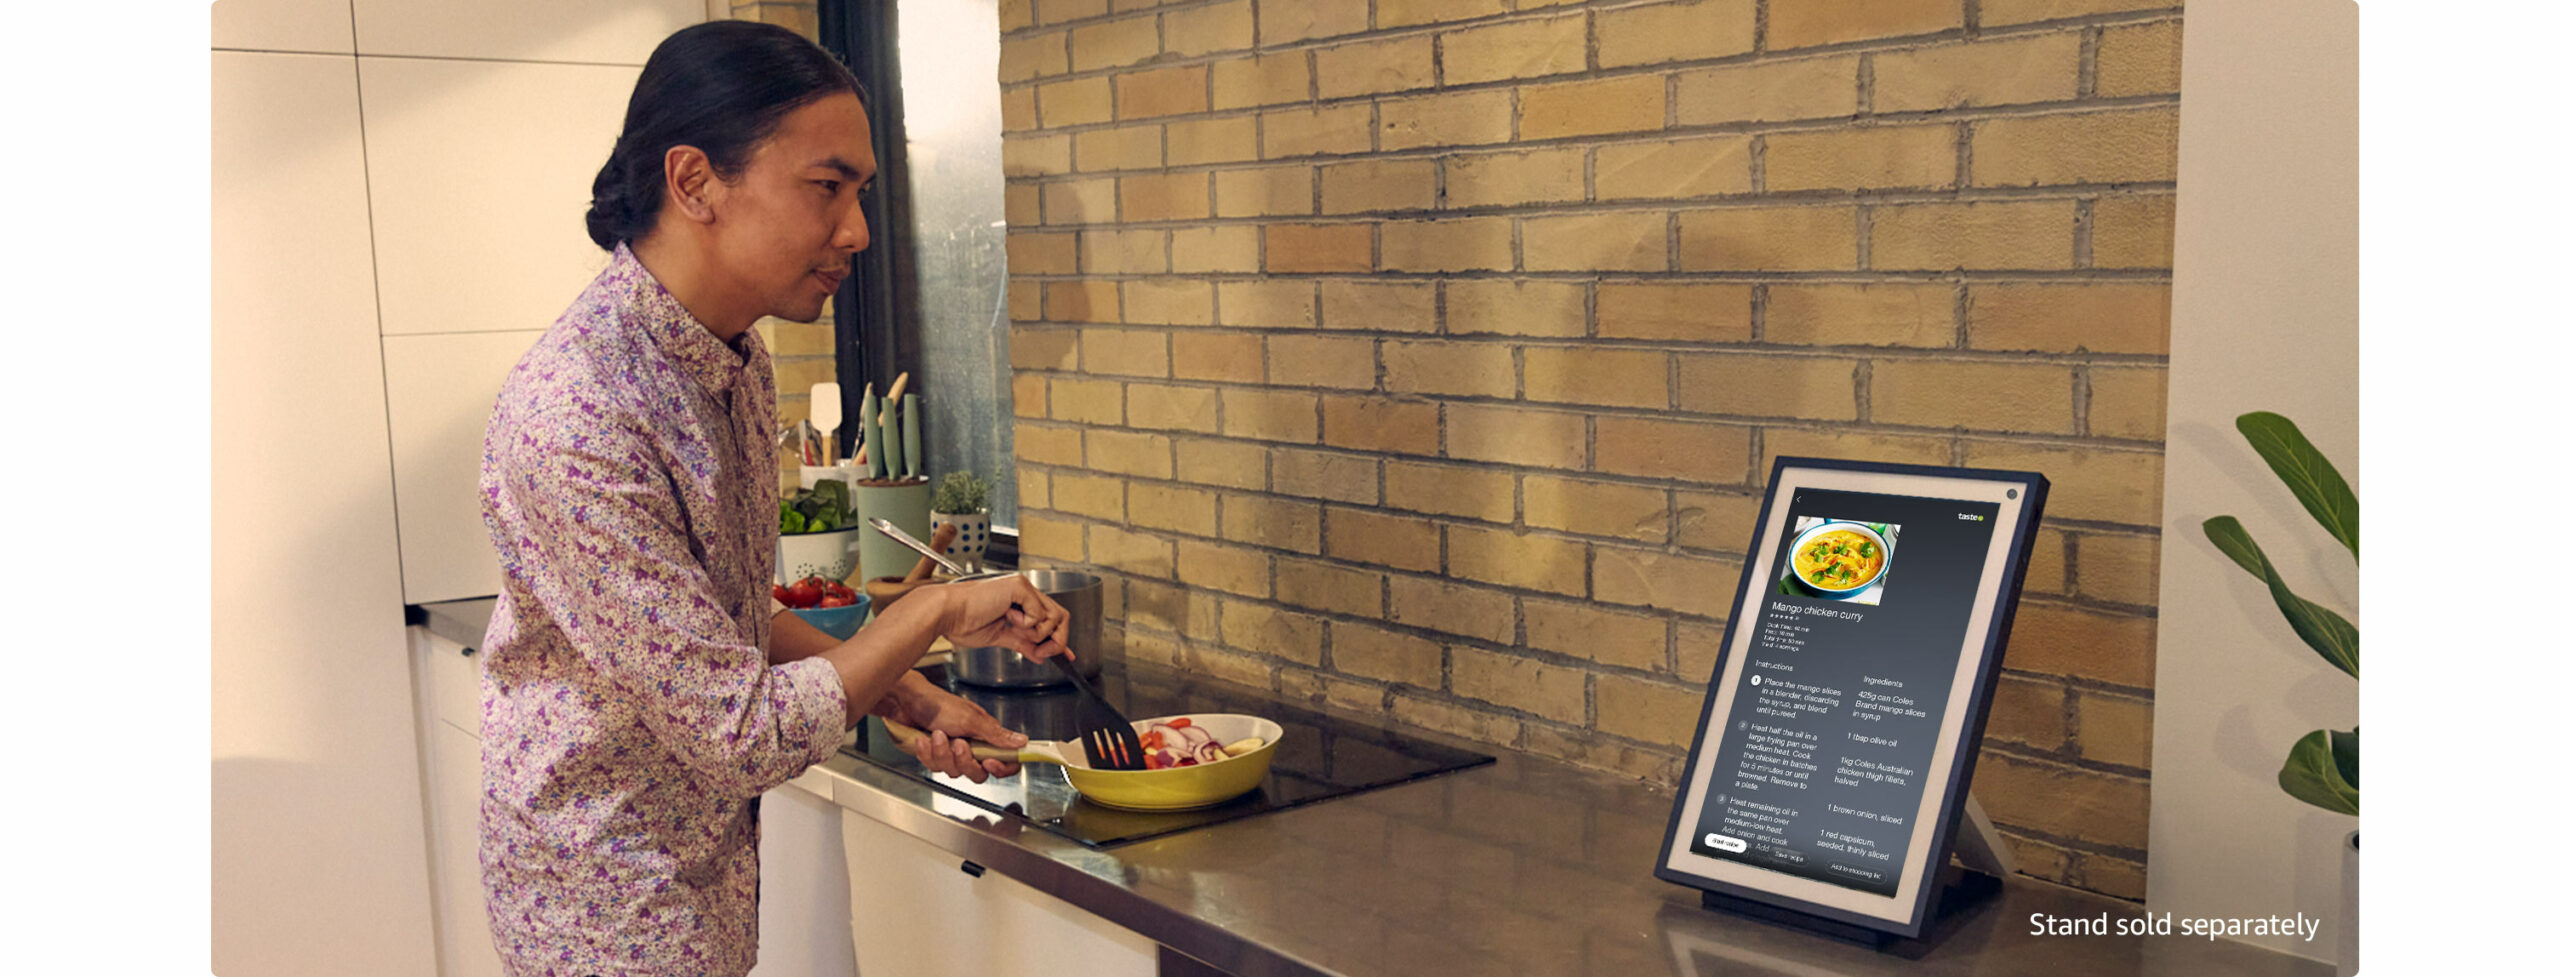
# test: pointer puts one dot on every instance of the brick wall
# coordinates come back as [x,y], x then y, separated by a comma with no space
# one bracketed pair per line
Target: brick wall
[1425,358]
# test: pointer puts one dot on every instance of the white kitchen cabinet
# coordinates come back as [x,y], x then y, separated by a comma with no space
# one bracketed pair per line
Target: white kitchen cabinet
[804,897]
[441,388]
[449,733]
[916,914]
[481,175]
[310,26]
[599,31]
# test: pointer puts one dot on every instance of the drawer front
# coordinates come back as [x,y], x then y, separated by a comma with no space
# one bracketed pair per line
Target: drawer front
[453,679]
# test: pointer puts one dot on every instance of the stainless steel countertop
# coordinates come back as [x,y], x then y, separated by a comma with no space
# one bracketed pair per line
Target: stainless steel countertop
[1525,866]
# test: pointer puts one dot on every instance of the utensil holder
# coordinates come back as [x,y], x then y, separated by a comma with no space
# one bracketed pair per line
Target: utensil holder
[907,504]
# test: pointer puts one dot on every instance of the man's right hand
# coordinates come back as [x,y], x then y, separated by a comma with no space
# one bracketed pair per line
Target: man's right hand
[1006,612]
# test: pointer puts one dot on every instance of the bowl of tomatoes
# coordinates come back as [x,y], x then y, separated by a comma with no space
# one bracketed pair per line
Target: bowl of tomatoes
[828,605]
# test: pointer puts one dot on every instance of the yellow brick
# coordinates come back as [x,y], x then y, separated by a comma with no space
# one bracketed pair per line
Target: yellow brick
[1114,43]
[2037,68]
[1061,11]
[1166,302]
[1517,308]
[1217,356]
[1450,490]
[1164,196]
[1592,508]
[1583,631]
[1081,201]
[1272,303]
[1862,315]
[1324,475]
[2058,639]
[1695,650]
[1635,241]
[1044,349]
[1688,31]
[2098,484]
[2115,729]
[1693,452]
[1683,168]
[1163,91]
[1512,436]
[2028,712]
[2128,402]
[1401,541]
[1804,23]
[1777,91]
[1031,487]
[1266,190]
[1090,401]
[2046,562]
[1224,463]
[1011,15]
[1513,50]
[1538,688]
[1323,361]
[2138,59]
[2097,317]
[1040,254]
[1211,140]
[1021,205]
[1022,300]
[786,338]
[1053,539]
[1317,247]
[1717,313]
[1271,631]
[1331,588]
[1270,415]
[1458,119]
[1321,129]
[1403,13]
[2000,13]
[1456,244]
[2121,146]
[1872,158]
[1277,523]
[1038,155]
[1169,408]
[798,374]
[1392,65]
[1801,387]
[2119,569]
[1045,445]
[1769,239]
[2133,232]
[1084,301]
[1382,424]
[1018,109]
[1025,58]
[1127,352]
[1779,442]
[2031,234]
[1124,252]
[1512,559]
[1650,578]
[1299,20]
[1650,711]
[1088,495]
[1075,103]
[1217,566]
[1129,453]
[1216,248]
[1374,185]
[1440,605]
[2032,398]
[1267,80]
[1380,306]
[1030,395]
[1457,369]
[1373,652]
[1207,30]
[1582,108]
[1715,520]
[1505,179]
[1610,377]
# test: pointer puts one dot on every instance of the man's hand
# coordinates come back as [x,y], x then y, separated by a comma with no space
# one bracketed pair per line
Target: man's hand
[951,723]
[1006,612]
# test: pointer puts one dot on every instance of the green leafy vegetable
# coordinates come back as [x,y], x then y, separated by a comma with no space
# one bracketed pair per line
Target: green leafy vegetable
[824,508]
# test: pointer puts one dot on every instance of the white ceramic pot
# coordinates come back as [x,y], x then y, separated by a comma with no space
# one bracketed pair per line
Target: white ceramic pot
[968,548]
[828,554]
[2347,906]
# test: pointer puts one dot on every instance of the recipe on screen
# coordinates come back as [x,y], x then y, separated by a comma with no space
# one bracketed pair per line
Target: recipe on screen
[1824,755]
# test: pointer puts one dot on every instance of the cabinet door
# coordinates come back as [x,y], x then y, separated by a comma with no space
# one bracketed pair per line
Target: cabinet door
[802,908]
[441,389]
[462,915]
[916,913]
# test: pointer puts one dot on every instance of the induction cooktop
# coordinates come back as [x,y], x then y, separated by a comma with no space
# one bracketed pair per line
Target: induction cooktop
[1318,758]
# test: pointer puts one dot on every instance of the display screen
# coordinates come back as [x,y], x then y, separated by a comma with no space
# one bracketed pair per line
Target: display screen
[1823,760]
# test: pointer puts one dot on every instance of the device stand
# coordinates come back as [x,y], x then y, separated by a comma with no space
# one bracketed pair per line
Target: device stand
[1963,889]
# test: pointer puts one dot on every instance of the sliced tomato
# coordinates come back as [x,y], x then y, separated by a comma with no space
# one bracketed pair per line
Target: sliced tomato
[1178,722]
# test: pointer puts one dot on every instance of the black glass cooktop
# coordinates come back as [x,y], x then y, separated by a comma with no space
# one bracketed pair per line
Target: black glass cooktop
[1318,758]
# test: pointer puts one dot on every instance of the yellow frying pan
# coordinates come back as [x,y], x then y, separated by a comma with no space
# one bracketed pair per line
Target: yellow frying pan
[1170,789]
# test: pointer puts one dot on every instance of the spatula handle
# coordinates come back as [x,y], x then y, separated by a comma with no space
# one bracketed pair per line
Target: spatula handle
[905,735]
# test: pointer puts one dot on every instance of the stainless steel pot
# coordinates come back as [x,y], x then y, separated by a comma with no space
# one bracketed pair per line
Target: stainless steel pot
[1081,595]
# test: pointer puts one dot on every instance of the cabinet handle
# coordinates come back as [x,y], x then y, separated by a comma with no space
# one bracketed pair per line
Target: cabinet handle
[973,869]
[468,651]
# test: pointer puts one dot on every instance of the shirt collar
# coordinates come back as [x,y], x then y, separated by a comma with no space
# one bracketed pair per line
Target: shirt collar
[683,339]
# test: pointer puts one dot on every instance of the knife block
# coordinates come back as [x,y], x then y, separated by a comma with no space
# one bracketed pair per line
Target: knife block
[907,504]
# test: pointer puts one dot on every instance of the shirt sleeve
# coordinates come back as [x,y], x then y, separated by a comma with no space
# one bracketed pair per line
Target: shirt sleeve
[613,567]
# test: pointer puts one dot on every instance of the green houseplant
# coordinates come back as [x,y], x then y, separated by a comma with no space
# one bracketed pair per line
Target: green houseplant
[961,498]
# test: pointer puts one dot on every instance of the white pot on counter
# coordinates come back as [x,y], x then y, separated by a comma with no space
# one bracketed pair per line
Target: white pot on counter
[828,554]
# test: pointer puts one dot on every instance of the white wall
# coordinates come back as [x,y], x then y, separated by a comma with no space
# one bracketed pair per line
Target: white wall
[2263,317]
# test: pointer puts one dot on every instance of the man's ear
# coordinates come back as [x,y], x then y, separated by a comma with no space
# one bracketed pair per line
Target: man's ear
[689,183]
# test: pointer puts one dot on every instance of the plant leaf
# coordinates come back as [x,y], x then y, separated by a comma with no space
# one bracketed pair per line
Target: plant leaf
[2314,481]
[2327,633]
[2311,774]
[2343,747]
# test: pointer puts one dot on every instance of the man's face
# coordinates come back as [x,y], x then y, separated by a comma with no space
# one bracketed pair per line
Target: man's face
[786,231]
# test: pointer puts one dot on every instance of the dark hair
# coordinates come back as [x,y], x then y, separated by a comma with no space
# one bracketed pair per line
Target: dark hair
[721,87]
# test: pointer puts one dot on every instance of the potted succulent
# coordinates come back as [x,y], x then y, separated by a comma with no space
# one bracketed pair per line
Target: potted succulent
[961,499]
[2322,768]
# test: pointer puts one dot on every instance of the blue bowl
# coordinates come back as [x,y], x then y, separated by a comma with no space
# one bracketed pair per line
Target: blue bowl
[838,622]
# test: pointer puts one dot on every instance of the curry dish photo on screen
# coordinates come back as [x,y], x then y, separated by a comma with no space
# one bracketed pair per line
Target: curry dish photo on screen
[1832,559]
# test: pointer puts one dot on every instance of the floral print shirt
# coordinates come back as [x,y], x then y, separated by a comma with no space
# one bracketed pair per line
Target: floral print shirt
[629,718]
